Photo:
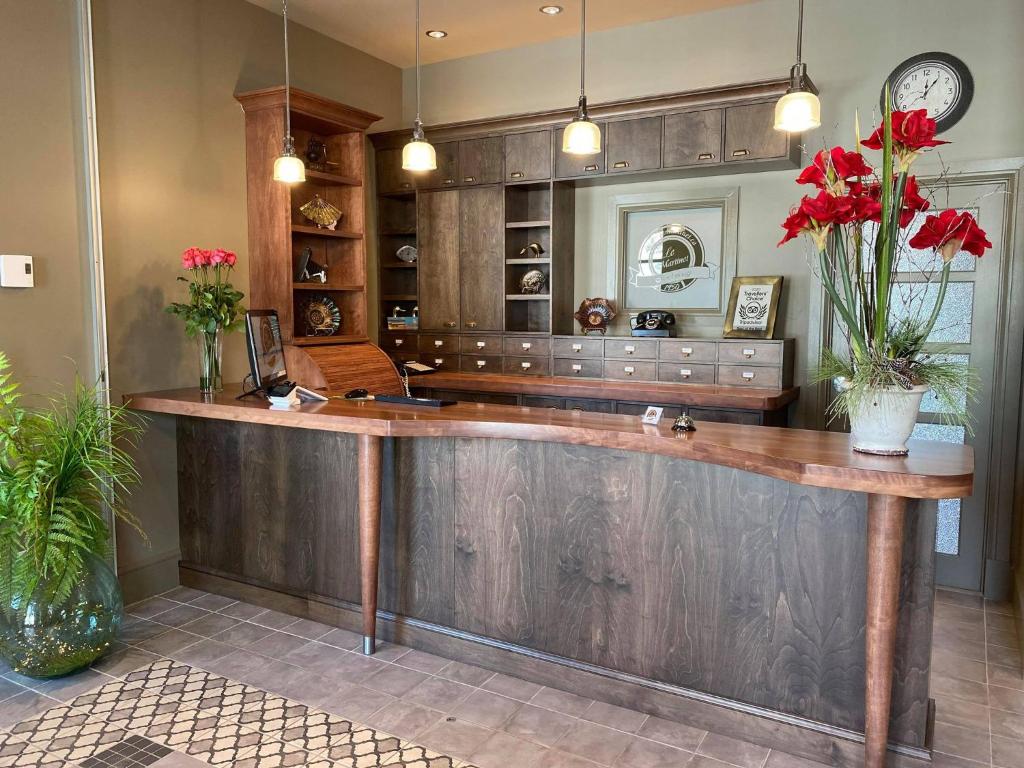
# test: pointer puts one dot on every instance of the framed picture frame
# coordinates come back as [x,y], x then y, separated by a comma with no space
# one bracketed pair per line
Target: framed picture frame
[676,254]
[753,307]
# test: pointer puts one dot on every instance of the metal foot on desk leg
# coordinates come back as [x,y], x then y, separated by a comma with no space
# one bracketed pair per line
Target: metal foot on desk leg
[369,646]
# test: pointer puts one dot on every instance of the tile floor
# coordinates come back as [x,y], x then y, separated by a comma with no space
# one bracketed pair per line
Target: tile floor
[201,679]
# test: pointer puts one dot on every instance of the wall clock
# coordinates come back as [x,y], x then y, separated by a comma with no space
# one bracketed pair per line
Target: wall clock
[938,82]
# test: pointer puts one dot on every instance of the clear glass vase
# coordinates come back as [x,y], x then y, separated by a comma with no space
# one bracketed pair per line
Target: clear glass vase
[43,638]
[211,351]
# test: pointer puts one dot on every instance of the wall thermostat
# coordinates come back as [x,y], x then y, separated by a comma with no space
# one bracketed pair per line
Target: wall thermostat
[16,271]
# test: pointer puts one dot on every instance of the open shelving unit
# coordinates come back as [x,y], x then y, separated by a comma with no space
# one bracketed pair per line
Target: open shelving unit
[279,233]
[397,279]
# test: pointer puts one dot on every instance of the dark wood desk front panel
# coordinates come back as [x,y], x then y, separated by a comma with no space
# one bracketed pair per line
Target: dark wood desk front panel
[705,577]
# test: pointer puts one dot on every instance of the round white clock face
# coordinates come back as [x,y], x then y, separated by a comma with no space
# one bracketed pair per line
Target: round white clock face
[932,86]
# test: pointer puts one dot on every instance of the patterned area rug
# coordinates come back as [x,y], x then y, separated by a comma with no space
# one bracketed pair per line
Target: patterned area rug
[169,707]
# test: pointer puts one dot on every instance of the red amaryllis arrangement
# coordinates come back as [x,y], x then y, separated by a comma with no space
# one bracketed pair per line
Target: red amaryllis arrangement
[214,306]
[860,223]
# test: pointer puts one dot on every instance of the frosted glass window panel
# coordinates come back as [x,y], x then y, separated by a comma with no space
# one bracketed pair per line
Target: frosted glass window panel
[912,260]
[930,404]
[945,433]
[947,530]
[916,300]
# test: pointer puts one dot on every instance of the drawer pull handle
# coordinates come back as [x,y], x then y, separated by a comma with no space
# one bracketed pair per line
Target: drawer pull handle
[469,179]
[686,351]
[591,167]
[577,347]
[517,174]
[471,324]
[578,408]
[438,343]
[740,152]
[621,164]
[398,342]
[748,375]
[576,367]
[438,361]
[706,156]
[685,373]
[527,345]
[630,349]
[450,324]
[481,363]
[749,353]
[628,370]
[406,185]
[481,344]
[448,181]
[526,366]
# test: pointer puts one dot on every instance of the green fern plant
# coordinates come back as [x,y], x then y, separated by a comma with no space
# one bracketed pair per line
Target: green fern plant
[59,466]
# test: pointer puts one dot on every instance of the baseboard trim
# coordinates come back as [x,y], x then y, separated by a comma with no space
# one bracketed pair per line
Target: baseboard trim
[150,578]
[998,580]
[806,738]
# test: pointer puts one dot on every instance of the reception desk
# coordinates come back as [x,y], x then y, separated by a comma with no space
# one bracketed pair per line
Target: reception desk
[764,582]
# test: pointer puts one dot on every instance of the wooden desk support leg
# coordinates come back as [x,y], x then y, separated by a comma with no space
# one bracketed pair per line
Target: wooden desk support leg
[369,534]
[885,548]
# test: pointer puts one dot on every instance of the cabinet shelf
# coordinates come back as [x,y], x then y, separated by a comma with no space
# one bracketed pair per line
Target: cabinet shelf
[527,297]
[403,265]
[537,224]
[527,261]
[329,179]
[398,297]
[399,232]
[300,229]
[326,287]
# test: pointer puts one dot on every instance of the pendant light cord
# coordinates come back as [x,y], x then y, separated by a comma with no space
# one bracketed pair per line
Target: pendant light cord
[287,77]
[418,121]
[583,49]
[800,33]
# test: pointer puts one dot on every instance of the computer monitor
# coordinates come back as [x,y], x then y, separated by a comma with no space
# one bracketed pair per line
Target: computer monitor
[266,350]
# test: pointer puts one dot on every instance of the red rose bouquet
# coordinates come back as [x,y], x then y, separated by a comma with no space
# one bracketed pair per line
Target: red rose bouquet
[860,224]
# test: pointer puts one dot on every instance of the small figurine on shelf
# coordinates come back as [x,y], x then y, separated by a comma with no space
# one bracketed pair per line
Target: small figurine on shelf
[595,314]
[321,213]
[316,154]
[532,282]
[308,270]
[532,251]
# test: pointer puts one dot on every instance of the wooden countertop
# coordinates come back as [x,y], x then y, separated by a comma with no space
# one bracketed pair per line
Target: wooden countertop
[933,470]
[707,395]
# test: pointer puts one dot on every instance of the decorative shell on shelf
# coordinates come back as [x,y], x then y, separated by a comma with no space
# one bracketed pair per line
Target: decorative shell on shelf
[595,314]
[532,282]
[322,316]
[407,253]
[321,213]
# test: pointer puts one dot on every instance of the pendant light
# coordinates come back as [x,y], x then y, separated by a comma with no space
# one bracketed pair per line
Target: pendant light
[582,137]
[799,109]
[288,167]
[418,154]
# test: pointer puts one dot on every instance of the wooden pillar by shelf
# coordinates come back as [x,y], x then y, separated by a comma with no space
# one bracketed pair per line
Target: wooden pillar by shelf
[886,516]
[369,534]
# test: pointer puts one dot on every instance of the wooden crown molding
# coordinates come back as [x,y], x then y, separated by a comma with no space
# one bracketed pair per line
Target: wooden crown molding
[316,107]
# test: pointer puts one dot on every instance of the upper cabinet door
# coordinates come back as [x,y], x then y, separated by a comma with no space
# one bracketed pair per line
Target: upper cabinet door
[437,236]
[390,176]
[447,173]
[693,138]
[750,134]
[481,160]
[634,145]
[573,166]
[528,156]
[482,258]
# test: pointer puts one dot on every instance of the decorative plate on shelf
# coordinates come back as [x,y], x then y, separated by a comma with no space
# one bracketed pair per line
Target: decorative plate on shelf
[595,314]
[407,253]
[321,315]
[321,213]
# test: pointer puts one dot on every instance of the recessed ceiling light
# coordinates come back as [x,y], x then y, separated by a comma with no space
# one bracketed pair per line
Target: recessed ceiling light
[437,34]
[551,10]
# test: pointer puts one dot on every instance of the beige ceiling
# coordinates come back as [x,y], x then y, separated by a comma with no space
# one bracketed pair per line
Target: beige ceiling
[384,28]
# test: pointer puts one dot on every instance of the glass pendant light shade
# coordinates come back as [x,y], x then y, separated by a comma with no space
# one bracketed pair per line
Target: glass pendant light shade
[797,111]
[290,169]
[581,137]
[419,154]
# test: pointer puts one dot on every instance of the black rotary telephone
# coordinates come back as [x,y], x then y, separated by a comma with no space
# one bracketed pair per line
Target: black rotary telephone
[652,320]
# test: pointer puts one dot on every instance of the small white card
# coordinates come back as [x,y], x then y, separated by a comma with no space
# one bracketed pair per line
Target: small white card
[652,415]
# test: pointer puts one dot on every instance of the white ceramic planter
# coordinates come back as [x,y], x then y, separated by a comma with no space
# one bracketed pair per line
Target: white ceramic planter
[883,420]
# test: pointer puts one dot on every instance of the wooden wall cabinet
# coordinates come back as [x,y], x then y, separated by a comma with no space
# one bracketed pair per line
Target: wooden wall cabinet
[634,145]
[575,166]
[528,156]
[481,258]
[437,230]
[750,135]
[447,173]
[390,176]
[693,138]
[481,160]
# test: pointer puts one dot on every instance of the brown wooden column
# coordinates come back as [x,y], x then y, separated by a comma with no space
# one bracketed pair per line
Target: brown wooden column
[369,534]
[885,548]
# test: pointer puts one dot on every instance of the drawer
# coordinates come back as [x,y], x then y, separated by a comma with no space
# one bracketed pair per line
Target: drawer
[533,366]
[688,351]
[527,345]
[750,376]
[583,368]
[726,416]
[532,401]
[639,409]
[630,370]
[644,349]
[448,343]
[480,364]
[440,361]
[480,345]
[593,406]
[398,342]
[751,352]
[578,347]
[476,397]
[687,373]
[404,357]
